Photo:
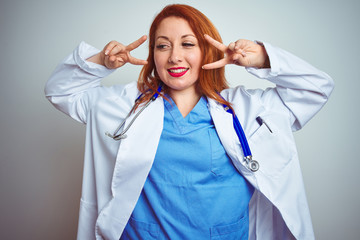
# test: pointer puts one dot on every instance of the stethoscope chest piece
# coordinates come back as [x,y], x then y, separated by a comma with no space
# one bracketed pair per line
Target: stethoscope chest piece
[253,165]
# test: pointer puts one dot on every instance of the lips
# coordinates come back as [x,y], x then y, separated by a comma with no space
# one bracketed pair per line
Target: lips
[177,72]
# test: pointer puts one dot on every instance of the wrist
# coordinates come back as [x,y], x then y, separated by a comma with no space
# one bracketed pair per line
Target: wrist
[266,61]
[98,58]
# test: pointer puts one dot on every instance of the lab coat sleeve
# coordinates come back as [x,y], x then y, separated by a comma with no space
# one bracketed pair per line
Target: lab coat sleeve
[302,88]
[71,86]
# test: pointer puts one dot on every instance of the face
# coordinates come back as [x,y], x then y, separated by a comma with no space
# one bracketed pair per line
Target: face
[177,55]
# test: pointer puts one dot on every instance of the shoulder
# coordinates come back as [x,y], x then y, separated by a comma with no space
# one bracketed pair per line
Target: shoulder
[252,103]
[232,94]
[122,95]
[241,97]
[128,90]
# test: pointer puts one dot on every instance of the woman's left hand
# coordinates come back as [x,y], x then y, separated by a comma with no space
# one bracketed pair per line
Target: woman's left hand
[242,52]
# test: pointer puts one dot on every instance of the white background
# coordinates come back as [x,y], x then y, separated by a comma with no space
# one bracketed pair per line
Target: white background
[41,149]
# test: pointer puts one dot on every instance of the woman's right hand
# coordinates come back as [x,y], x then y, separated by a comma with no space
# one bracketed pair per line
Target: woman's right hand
[115,54]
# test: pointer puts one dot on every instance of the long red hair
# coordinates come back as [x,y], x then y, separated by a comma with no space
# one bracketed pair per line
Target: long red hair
[210,82]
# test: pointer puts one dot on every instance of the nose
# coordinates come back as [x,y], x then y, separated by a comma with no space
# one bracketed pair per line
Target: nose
[175,56]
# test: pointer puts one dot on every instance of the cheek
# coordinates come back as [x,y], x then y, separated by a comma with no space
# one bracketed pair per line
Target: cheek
[195,59]
[160,66]
[159,62]
[156,61]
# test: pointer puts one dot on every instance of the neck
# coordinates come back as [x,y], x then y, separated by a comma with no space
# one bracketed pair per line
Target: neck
[185,100]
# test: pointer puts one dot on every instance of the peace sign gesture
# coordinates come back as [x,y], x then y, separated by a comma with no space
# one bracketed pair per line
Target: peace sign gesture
[115,54]
[242,52]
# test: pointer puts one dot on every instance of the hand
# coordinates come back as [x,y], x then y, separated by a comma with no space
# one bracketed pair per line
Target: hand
[115,54]
[242,52]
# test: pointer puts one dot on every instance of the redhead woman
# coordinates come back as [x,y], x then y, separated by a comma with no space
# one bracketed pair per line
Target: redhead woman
[177,166]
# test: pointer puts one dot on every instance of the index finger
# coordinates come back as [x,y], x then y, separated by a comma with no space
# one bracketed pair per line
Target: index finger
[136,44]
[215,43]
[137,61]
[218,64]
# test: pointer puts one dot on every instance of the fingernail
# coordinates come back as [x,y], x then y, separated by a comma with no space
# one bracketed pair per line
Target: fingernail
[107,52]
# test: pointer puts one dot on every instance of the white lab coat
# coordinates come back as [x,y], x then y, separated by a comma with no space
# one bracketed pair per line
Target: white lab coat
[115,171]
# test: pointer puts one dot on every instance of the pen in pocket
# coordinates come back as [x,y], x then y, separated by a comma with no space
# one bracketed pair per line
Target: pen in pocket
[261,122]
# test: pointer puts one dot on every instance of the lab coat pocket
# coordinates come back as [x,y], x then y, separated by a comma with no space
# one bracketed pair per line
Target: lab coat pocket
[140,230]
[234,231]
[271,148]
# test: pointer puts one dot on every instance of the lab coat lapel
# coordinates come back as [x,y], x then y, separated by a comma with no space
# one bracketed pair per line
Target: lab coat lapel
[223,122]
[134,160]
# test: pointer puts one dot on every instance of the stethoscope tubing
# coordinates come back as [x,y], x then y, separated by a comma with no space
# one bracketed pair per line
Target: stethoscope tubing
[122,134]
[251,164]
[243,141]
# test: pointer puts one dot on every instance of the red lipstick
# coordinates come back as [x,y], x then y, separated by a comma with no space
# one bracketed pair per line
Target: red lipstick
[177,72]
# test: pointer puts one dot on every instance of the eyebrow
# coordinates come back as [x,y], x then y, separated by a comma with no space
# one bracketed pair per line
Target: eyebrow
[184,36]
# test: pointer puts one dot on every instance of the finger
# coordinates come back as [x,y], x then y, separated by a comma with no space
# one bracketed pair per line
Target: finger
[136,61]
[232,46]
[109,47]
[116,60]
[238,59]
[215,43]
[217,64]
[136,44]
[113,62]
[239,47]
[116,49]
[239,44]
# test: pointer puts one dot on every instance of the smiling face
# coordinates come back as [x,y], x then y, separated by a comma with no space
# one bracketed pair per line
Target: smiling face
[177,55]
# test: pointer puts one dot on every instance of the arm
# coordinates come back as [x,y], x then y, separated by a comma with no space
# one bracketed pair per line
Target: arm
[72,80]
[302,88]
[76,81]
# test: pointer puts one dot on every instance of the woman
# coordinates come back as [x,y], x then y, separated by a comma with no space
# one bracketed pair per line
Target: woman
[180,172]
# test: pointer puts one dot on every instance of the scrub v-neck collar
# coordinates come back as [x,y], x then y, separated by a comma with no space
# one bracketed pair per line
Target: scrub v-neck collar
[197,118]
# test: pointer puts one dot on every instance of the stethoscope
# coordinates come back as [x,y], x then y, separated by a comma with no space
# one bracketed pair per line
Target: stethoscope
[122,135]
[253,165]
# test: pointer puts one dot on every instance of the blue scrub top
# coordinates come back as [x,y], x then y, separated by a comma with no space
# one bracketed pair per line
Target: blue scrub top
[193,191]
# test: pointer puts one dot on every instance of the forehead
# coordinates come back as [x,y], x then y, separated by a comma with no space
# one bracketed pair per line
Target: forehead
[173,27]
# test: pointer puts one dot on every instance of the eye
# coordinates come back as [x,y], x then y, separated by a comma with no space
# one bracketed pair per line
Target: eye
[188,44]
[161,46]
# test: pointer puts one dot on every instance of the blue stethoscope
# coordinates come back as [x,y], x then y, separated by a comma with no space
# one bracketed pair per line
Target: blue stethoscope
[253,165]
